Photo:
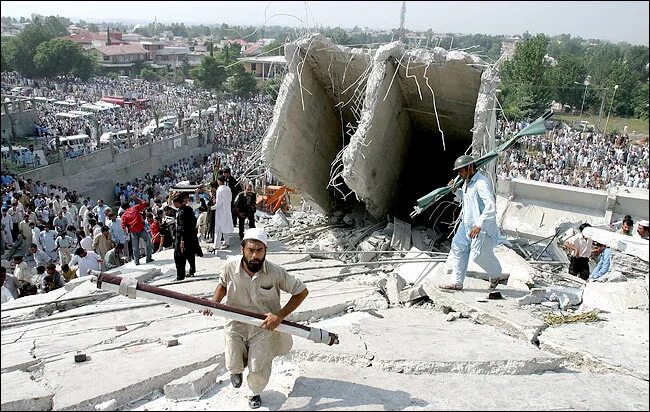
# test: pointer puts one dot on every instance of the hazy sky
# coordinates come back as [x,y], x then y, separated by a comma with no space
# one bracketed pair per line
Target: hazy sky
[607,20]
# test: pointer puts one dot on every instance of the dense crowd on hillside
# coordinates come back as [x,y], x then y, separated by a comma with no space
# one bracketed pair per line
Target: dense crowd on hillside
[572,157]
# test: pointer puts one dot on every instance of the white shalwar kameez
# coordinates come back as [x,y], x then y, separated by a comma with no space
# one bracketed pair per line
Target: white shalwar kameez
[479,209]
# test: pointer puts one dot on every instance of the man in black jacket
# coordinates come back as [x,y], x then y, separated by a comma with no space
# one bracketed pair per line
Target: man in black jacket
[186,242]
[235,188]
[245,208]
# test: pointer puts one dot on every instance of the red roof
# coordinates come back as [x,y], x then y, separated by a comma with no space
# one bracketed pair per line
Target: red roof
[251,50]
[118,49]
[87,37]
[241,42]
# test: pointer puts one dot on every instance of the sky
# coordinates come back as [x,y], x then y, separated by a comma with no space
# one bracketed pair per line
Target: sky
[606,20]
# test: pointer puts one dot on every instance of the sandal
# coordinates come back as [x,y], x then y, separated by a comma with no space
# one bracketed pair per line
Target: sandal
[493,284]
[450,287]
[255,401]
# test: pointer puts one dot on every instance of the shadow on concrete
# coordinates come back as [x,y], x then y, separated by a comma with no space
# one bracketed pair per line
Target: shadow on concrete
[325,394]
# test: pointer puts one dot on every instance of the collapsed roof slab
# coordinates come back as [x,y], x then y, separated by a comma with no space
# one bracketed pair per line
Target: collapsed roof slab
[385,124]
[313,114]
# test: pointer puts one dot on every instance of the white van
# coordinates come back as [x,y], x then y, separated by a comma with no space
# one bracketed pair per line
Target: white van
[118,137]
[96,107]
[170,120]
[81,113]
[77,142]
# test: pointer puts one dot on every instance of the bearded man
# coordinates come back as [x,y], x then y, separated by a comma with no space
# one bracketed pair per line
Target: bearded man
[253,283]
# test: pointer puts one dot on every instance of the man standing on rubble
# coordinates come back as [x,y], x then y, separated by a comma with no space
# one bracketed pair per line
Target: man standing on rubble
[580,247]
[254,284]
[477,234]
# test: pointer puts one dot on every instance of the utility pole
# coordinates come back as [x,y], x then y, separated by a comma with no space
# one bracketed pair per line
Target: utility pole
[402,17]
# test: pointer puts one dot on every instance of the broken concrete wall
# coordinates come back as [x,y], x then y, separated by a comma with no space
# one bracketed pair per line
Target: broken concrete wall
[305,134]
[532,208]
[377,152]
[405,110]
[431,95]
[485,119]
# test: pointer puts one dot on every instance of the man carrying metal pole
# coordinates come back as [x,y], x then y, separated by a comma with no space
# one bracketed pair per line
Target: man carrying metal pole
[254,284]
[477,234]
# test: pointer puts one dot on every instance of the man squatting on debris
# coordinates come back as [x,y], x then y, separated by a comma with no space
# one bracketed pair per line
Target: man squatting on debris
[254,284]
[477,234]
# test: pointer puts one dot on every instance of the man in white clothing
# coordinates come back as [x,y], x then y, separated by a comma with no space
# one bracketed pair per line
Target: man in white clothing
[85,260]
[48,238]
[477,234]
[100,211]
[223,216]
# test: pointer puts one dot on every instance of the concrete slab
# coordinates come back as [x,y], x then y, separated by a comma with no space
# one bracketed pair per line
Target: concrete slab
[21,393]
[17,355]
[150,367]
[619,343]
[504,314]
[193,385]
[434,345]
[345,387]
[615,297]
[415,273]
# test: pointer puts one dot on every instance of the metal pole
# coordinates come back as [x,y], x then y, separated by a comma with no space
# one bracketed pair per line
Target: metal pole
[610,108]
[583,100]
[132,288]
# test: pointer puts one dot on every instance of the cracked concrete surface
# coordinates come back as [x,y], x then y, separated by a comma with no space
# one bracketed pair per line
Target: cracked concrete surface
[388,358]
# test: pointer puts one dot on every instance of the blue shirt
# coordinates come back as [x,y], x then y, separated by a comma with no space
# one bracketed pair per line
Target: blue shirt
[603,264]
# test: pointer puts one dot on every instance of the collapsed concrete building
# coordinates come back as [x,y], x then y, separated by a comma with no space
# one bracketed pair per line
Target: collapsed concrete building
[385,125]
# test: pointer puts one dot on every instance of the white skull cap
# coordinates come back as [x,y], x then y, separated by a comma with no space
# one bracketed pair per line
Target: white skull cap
[256,234]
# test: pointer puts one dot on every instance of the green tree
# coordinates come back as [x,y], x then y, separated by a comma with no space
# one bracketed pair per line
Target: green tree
[271,87]
[57,57]
[525,83]
[242,83]
[93,27]
[210,74]
[570,69]
[274,49]
[149,74]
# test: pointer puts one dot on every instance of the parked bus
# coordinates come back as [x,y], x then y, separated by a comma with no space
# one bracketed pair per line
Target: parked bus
[114,100]
[97,107]
[64,104]
[81,113]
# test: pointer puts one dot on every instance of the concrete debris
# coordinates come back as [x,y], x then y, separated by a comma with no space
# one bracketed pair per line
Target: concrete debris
[401,239]
[109,405]
[568,295]
[615,297]
[551,305]
[536,296]
[28,395]
[416,272]
[80,357]
[411,294]
[394,285]
[452,317]
[193,385]
[120,328]
[169,341]
[280,219]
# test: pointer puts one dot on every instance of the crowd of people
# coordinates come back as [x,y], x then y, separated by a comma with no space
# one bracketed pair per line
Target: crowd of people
[227,120]
[572,157]
[52,234]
